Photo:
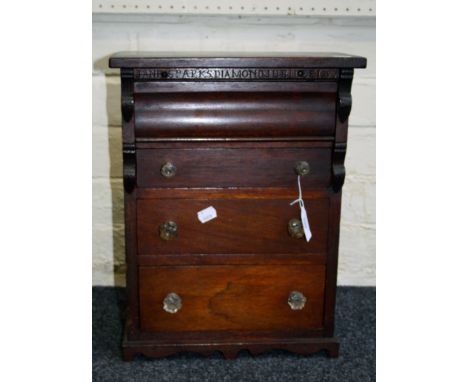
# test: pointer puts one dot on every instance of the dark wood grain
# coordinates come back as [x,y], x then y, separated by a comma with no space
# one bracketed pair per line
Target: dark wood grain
[130,197]
[233,259]
[234,87]
[242,226]
[129,166]
[332,263]
[244,335]
[133,313]
[128,106]
[235,60]
[231,297]
[238,143]
[344,103]
[234,125]
[232,193]
[234,167]
[234,114]
[230,349]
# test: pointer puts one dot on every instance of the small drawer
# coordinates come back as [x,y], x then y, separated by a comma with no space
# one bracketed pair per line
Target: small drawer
[242,226]
[238,167]
[217,298]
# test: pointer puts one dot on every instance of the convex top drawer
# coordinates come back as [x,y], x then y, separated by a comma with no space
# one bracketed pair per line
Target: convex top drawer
[170,112]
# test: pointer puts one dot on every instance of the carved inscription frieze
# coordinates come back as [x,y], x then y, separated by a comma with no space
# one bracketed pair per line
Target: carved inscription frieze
[236,74]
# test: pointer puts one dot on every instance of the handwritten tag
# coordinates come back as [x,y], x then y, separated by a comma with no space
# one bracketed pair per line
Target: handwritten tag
[305,223]
[207,214]
[304,219]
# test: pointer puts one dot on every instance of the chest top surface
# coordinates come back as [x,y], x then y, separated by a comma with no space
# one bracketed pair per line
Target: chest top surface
[235,59]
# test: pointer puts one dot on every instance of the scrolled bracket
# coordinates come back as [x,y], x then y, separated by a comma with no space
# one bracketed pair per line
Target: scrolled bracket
[344,101]
[128,102]
[343,109]
[129,166]
[338,168]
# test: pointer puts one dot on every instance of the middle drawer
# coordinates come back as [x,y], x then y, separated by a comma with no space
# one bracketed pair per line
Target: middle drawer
[233,167]
[257,226]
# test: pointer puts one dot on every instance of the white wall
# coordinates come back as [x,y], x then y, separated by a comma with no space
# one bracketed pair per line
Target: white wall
[117,32]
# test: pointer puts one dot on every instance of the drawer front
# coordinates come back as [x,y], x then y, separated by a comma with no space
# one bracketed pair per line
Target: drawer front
[222,167]
[242,226]
[234,114]
[212,298]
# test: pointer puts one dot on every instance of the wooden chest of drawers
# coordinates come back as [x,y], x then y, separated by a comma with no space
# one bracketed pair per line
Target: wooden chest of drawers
[242,135]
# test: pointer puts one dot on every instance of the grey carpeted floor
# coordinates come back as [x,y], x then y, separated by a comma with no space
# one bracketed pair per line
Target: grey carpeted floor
[355,326]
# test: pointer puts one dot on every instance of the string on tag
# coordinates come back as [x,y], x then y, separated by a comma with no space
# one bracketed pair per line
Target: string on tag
[299,199]
[304,219]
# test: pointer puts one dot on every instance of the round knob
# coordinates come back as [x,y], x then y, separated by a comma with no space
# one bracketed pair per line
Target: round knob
[168,170]
[302,168]
[295,229]
[168,230]
[296,300]
[172,303]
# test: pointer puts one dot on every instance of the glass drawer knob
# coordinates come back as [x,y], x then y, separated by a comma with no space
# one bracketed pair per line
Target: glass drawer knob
[168,170]
[296,300]
[168,230]
[172,303]
[295,229]
[302,168]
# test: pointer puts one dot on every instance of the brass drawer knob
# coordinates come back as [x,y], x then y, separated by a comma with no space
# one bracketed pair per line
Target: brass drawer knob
[295,229]
[172,303]
[296,300]
[168,230]
[168,170]
[302,168]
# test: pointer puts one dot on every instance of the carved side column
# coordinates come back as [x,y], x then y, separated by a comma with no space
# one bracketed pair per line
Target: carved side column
[128,135]
[129,180]
[343,107]
[129,167]
[128,102]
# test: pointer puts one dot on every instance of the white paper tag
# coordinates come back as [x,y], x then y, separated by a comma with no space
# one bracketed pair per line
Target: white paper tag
[304,219]
[207,214]
[305,223]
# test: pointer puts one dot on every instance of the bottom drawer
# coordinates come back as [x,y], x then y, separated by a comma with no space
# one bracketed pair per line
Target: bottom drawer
[217,298]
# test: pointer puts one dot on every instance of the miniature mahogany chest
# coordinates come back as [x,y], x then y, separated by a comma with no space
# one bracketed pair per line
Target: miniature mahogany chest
[235,139]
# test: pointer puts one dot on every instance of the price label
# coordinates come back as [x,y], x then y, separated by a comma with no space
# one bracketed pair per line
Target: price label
[207,214]
[305,223]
